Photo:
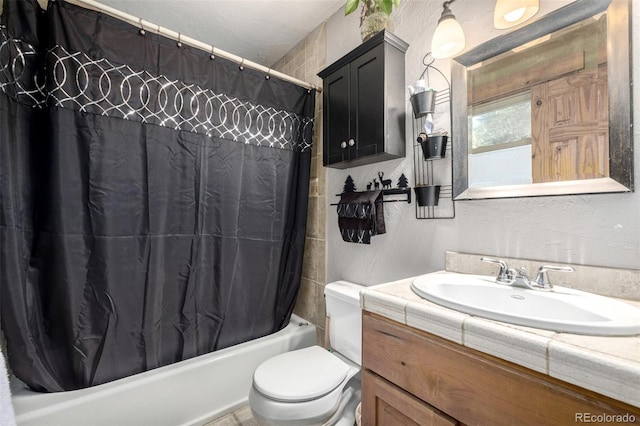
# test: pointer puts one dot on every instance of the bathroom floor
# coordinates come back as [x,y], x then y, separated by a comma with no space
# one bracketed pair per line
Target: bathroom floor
[240,417]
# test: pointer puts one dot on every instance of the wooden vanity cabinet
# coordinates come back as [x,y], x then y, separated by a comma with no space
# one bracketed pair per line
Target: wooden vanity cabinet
[412,377]
[364,104]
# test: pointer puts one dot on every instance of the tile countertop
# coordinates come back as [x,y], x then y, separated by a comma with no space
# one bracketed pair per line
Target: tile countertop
[606,365]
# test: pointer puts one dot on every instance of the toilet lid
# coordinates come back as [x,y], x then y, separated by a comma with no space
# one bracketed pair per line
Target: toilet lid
[300,375]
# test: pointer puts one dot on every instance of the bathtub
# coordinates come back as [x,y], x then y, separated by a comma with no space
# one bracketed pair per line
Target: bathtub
[190,392]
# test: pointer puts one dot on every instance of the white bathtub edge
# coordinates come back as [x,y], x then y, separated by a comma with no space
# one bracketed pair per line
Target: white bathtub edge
[188,393]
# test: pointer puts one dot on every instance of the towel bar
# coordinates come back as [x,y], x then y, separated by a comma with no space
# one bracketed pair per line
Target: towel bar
[395,191]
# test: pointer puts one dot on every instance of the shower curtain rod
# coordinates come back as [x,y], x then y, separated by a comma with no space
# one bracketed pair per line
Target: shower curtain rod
[146,25]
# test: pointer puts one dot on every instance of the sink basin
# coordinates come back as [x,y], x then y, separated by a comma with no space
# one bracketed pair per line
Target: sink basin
[561,310]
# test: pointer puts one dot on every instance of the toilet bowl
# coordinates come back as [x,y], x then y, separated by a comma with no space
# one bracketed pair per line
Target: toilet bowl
[304,388]
[315,386]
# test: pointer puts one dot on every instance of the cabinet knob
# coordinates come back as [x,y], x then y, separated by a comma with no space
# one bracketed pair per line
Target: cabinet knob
[352,142]
[343,145]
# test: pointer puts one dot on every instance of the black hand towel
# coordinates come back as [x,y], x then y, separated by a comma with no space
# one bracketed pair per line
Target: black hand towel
[360,216]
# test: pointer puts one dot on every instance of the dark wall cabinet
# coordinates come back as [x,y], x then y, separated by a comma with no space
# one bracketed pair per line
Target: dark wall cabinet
[364,104]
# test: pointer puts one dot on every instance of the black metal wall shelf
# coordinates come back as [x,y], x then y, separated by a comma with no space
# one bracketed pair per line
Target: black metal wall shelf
[435,171]
[388,192]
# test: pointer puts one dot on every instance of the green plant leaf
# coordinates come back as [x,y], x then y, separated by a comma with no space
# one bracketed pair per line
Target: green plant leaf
[396,3]
[385,6]
[350,6]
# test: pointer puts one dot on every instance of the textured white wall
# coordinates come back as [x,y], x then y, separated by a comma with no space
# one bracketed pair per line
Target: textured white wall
[601,230]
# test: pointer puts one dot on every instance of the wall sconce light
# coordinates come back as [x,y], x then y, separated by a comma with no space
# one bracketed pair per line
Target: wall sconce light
[509,13]
[448,39]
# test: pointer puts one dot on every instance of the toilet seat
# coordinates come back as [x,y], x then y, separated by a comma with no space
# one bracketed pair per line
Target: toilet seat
[289,378]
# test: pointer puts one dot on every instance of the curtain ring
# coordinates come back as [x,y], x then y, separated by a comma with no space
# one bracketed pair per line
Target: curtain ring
[179,40]
[268,76]
[142,31]
[241,65]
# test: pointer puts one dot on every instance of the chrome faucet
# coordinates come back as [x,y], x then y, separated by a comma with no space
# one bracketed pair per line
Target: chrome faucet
[520,278]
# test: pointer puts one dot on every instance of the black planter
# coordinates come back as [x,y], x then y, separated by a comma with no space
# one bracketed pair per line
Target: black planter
[423,103]
[427,195]
[433,147]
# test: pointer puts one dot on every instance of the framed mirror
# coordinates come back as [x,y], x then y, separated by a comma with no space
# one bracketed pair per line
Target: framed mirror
[547,108]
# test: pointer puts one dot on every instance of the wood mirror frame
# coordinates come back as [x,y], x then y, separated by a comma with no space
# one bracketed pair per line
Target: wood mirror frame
[619,86]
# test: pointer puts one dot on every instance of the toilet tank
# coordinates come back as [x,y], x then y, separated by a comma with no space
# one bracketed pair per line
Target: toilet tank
[342,300]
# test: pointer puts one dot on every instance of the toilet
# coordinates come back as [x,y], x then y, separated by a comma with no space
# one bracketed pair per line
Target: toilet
[315,386]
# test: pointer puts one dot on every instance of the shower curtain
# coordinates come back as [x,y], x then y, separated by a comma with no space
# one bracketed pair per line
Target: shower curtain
[152,198]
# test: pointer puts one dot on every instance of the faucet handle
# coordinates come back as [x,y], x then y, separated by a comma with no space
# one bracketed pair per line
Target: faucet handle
[503,273]
[542,280]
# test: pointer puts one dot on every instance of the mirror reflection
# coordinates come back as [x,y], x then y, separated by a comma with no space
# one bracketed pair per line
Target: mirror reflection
[536,115]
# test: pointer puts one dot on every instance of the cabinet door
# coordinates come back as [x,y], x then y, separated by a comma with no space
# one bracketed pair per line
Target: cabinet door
[336,118]
[385,404]
[367,102]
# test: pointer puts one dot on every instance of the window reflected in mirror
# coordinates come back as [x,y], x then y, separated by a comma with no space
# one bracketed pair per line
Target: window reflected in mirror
[500,141]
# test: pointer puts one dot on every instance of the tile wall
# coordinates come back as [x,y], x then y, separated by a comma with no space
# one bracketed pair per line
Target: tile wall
[304,62]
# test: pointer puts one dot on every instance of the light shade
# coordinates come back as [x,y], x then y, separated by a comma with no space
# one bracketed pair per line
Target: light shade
[448,39]
[509,13]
